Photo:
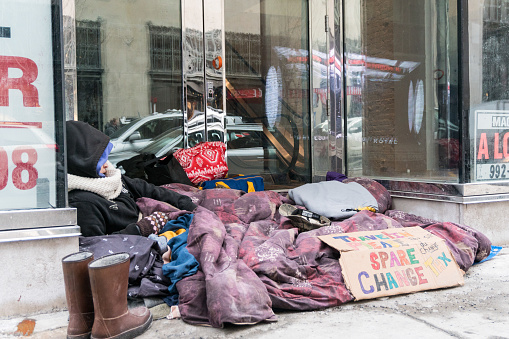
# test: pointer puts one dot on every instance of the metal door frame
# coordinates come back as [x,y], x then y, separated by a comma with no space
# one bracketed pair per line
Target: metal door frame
[212,68]
[332,28]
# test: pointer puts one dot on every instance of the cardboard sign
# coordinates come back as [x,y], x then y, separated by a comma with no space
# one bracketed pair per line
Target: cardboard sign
[394,261]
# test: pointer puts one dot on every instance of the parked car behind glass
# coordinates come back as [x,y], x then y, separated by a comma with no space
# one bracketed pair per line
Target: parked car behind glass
[140,132]
[245,153]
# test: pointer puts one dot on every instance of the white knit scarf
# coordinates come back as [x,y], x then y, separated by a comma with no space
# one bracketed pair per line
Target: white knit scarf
[108,187]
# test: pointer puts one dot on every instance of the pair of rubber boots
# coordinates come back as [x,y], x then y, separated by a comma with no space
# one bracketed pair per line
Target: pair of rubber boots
[96,293]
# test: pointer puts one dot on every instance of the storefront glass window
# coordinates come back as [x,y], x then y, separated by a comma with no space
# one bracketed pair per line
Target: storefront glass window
[489,90]
[129,72]
[31,151]
[402,121]
[267,88]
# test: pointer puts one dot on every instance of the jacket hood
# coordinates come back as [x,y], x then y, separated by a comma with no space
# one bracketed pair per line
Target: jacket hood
[85,145]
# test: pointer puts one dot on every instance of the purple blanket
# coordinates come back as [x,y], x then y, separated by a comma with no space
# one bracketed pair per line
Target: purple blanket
[253,260]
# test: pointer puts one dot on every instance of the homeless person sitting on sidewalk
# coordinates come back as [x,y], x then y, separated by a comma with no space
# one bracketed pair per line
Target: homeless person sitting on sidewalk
[104,198]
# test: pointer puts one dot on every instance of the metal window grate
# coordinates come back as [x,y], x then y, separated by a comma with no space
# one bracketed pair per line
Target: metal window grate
[243,53]
[496,11]
[88,45]
[165,51]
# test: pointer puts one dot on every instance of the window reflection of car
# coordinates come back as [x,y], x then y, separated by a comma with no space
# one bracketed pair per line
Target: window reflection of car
[354,135]
[140,132]
[245,152]
[173,137]
[353,141]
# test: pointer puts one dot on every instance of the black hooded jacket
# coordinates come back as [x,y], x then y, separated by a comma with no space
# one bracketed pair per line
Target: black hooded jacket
[96,214]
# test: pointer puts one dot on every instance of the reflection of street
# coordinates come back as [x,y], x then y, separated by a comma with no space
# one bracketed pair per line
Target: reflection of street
[283,139]
[245,149]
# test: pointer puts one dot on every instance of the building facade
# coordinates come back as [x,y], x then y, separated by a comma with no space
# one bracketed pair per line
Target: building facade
[410,93]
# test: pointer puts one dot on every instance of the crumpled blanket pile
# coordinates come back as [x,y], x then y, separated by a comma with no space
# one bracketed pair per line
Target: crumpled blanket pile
[252,260]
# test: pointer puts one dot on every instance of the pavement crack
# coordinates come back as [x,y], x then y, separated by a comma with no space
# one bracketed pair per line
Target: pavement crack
[452,334]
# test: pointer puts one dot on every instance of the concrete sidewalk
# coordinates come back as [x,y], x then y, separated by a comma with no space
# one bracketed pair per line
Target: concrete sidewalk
[479,309]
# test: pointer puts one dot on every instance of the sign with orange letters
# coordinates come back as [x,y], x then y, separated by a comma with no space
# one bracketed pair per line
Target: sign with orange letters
[394,261]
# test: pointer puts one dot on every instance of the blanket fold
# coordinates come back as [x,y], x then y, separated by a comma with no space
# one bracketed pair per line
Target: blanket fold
[253,260]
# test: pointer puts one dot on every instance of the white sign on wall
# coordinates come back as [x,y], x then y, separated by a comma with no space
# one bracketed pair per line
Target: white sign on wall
[491,145]
[27,116]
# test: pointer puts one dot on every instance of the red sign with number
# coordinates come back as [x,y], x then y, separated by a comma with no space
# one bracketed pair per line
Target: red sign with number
[27,123]
[20,166]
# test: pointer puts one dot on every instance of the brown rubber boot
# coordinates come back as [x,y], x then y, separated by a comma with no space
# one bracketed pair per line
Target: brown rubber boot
[78,294]
[109,277]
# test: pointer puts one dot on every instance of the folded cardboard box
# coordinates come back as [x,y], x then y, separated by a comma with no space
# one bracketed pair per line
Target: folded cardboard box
[394,261]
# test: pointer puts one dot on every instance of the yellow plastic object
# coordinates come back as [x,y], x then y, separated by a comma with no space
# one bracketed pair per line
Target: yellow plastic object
[366,208]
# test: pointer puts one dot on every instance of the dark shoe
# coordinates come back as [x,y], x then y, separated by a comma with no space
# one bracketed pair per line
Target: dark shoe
[78,294]
[131,229]
[303,219]
[109,277]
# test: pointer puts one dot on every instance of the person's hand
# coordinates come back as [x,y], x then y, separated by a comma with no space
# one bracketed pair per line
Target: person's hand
[167,256]
[153,223]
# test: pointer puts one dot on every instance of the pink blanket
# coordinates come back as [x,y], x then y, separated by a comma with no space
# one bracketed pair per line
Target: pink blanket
[253,260]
